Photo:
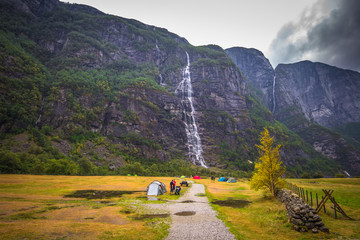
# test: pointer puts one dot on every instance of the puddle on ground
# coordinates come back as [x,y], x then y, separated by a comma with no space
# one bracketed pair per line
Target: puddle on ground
[188,201]
[151,216]
[232,203]
[107,203]
[185,213]
[200,195]
[98,194]
[151,198]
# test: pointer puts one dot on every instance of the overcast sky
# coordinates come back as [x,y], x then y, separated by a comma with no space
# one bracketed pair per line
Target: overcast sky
[284,30]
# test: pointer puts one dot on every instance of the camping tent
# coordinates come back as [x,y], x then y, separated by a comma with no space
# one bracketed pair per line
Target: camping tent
[196,177]
[222,179]
[182,176]
[156,188]
[231,180]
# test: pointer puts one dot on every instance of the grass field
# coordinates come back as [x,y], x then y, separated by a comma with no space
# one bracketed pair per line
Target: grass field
[36,207]
[265,218]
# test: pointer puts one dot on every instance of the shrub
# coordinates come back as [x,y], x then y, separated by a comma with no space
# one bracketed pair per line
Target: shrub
[339,175]
[305,175]
[61,167]
[318,175]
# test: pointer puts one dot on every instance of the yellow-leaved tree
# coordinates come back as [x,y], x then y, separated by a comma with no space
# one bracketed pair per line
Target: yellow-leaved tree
[268,168]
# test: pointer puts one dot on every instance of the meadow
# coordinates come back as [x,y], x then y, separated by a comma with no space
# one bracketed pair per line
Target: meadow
[113,207]
[265,217]
[61,207]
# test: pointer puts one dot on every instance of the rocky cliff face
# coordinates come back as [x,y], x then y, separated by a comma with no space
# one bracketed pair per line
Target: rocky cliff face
[326,95]
[306,96]
[103,87]
[257,70]
[117,77]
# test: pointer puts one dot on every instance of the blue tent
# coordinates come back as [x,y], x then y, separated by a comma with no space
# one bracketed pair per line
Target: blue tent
[222,179]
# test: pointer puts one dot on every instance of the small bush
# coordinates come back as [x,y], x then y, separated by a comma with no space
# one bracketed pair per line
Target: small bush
[318,175]
[305,175]
[339,175]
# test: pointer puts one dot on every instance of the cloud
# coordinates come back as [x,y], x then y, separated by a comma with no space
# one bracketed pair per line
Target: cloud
[323,35]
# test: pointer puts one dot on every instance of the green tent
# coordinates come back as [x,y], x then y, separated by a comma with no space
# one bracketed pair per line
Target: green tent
[129,175]
[182,176]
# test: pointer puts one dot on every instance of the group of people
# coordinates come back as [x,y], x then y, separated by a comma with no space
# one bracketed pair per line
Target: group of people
[175,188]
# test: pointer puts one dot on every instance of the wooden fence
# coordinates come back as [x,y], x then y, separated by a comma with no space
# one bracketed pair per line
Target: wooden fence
[320,201]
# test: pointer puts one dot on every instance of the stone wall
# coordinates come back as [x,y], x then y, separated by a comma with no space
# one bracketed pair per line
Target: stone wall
[303,217]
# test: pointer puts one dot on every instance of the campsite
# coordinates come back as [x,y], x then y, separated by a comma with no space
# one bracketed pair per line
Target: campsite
[35,207]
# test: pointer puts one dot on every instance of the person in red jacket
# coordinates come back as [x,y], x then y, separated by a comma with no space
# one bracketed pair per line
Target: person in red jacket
[173,185]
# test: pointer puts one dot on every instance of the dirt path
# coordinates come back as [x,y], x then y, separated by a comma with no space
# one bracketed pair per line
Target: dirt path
[199,222]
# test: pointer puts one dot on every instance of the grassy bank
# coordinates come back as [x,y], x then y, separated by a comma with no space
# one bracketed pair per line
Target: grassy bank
[265,218]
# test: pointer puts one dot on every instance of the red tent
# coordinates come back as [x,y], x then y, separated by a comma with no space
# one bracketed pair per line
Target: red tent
[196,177]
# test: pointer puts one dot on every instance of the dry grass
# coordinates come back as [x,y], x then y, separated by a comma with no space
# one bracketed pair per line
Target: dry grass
[34,207]
[265,218]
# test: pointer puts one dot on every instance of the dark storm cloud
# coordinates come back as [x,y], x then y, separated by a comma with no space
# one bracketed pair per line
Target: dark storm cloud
[333,39]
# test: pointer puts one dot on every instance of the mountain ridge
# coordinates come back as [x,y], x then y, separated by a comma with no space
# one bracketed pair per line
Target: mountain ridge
[95,94]
[309,98]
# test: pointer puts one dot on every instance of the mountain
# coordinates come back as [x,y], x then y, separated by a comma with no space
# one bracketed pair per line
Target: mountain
[83,92]
[257,70]
[315,100]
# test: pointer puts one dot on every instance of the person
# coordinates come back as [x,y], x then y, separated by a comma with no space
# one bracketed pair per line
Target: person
[171,186]
[174,185]
[177,191]
[212,178]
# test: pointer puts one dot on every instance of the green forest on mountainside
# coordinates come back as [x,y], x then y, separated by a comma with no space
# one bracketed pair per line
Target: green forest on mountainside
[33,79]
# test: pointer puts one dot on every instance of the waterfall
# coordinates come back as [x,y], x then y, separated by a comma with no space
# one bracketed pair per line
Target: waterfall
[157,46]
[158,53]
[184,90]
[274,102]
[161,80]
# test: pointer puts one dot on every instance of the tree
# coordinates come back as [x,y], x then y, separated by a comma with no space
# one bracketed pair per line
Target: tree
[269,167]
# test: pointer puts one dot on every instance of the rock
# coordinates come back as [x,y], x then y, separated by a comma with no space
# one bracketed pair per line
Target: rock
[324,229]
[309,225]
[298,222]
[314,230]
[300,214]
[296,228]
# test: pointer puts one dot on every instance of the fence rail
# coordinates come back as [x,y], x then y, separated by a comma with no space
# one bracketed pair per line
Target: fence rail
[307,196]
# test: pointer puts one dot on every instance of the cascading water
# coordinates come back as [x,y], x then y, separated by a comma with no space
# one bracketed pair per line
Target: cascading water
[274,102]
[161,80]
[158,52]
[184,89]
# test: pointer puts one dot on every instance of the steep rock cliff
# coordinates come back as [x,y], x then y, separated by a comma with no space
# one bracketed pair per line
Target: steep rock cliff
[257,70]
[326,95]
[116,78]
[307,97]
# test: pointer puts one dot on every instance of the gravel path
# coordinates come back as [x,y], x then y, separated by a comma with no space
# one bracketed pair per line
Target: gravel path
[202,225]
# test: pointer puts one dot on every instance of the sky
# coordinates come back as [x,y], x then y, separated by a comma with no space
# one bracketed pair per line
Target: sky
[285,31]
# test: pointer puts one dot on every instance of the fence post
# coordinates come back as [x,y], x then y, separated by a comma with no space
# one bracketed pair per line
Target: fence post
[311,198]
[317,201]
[324,204]
[303,190]
[307,197]
[335,209]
